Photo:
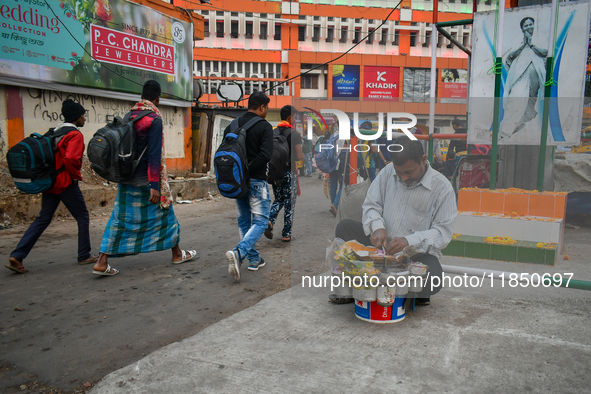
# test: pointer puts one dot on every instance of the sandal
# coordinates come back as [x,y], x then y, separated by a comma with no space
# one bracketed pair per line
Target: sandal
[333,210]
[15,268]
[110,271]
[269,231]
[187,255]
[91,259]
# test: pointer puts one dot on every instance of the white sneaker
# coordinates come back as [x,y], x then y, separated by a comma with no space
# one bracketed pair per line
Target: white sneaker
[234,267]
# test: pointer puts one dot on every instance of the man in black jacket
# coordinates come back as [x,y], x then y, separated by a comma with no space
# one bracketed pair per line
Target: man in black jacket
[286,192]
[253,208]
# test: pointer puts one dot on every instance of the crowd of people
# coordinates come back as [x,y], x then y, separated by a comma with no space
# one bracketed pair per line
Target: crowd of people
[409,203]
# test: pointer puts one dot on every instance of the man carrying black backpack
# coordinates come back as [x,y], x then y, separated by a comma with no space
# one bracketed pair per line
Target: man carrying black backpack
[253,208]
[68,159]
[287,191]
[143,218]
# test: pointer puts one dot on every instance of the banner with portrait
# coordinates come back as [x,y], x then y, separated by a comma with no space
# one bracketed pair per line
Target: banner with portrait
[526,36]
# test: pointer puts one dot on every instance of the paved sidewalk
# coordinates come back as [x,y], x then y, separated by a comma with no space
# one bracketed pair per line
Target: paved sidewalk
[468,340]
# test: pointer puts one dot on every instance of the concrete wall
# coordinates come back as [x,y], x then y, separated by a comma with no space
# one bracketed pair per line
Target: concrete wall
[41,109]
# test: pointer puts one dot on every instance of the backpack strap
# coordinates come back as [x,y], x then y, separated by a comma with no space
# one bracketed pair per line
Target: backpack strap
[235,126]
[128,118]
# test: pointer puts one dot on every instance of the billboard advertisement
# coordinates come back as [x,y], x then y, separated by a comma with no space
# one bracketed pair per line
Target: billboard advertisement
[526,37]
[381,83]
[113,45]
[454,85]
[345,81]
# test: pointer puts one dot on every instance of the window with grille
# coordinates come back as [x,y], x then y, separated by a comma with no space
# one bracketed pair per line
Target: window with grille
[343,19]
[219,13]
[384,39]
[199,66]
[263,31]
[216,67]
[330,34]
[331,18]
[277,36]
[413,38]
[427,39]
[255,68]
[316,35]
[234,29]
[466,39]
[231,67]
[249,29]
[357,20]
[357,35]
[204,12]
[233,14]
[310,81]
[453,35]
[239,67]
[207,66]
[344,33]
[263,15]
[302,17]
[316,18]
[219,29]
[301,33]
[370,36]
[206,28]
[396,38]
[439,40]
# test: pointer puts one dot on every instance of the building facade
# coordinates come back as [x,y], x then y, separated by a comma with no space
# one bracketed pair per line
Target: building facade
[260,44]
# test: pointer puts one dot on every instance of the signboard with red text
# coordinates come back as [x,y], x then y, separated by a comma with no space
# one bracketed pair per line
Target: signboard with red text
[113,45]
[381,83]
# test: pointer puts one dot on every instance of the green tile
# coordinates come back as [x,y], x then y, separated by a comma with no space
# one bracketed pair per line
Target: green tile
[528,244]
[551,256]
[476,239]
[531,255]
[454,248]
[503,252]
[477,250]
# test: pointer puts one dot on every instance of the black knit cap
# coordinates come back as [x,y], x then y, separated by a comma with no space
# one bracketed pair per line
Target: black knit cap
[72,110]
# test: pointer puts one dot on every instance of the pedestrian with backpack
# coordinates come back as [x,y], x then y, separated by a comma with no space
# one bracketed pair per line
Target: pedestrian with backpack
[68,151]
[286,191]
[143,219]
[253,207]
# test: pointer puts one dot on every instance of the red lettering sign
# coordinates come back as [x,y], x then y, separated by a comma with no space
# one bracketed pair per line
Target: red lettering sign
[380,83]
[112,46]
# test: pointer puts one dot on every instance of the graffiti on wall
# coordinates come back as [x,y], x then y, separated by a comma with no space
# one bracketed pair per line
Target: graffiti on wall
[42,110]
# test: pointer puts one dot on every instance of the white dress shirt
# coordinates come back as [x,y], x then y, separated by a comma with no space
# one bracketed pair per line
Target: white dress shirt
[424,214]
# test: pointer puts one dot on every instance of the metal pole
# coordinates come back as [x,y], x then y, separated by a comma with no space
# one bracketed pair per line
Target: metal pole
[547,98]
[434,37]
[497,98]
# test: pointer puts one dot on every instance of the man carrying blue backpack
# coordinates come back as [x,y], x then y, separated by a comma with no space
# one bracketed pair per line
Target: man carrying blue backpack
[254,206]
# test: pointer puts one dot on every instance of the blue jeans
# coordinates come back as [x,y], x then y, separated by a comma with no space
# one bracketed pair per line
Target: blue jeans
[308,162]
[336,182]
[74,201]
[253,218]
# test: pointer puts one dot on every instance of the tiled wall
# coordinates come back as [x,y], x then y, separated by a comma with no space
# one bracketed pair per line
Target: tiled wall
[507,202]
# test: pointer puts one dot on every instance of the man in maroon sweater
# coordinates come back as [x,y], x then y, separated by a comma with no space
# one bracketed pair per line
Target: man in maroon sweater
[68,156]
